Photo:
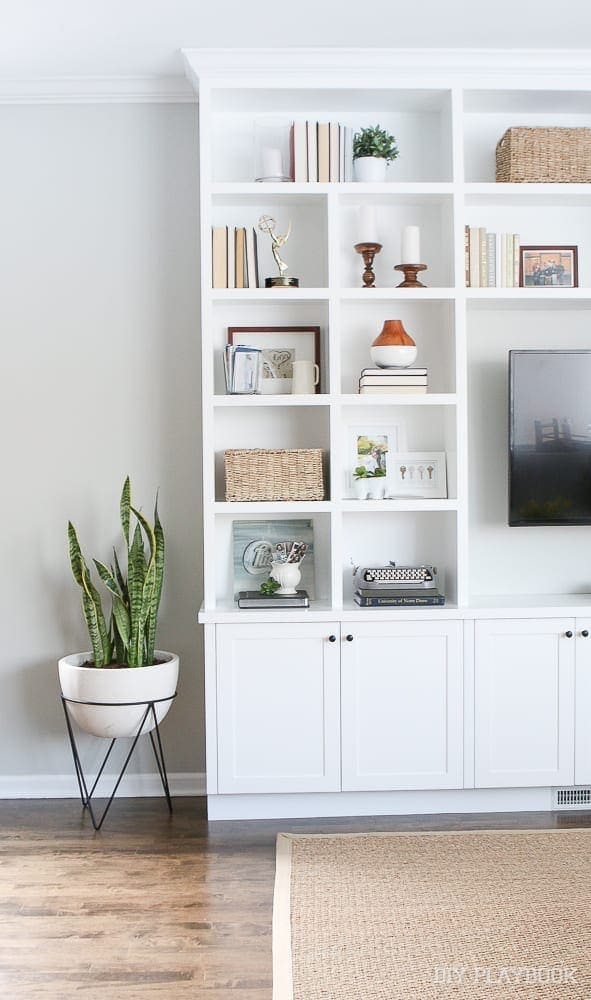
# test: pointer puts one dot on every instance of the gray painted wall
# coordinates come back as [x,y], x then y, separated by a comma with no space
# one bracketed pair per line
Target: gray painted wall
[99,320]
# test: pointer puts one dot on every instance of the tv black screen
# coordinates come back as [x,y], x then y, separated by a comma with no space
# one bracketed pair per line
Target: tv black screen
[549,437]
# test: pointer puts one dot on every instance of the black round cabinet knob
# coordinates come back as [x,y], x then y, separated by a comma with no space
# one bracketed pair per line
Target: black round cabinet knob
[332,638]
[585,633]
[349,638]
[568,634]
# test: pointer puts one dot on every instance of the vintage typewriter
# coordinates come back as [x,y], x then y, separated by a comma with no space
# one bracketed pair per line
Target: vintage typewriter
[394,578]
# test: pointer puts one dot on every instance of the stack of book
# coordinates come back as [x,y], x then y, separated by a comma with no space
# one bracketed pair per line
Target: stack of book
[234,261]
[395,381]
[491,259]
[254,599]
[321,152]
[394,597]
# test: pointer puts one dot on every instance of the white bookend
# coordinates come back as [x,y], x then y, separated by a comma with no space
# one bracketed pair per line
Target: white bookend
[312,131]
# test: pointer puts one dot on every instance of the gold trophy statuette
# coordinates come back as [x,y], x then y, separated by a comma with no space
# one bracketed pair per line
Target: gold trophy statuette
[267,225]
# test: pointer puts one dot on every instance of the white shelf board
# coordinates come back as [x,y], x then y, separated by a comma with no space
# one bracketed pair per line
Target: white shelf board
[400,504]
[528,194]
[268,294]
[228,611]
[400,399]
[399,294]
[530,605]
[273,508]
[319,399]
[350,189]
[528,298]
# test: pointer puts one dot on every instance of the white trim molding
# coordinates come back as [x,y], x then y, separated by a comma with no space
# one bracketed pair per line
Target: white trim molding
[97,90]
[65,786]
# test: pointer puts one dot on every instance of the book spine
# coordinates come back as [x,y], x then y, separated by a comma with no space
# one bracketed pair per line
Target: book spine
[482,256]
[348,153]
[241,280]
[231,251]
[474,258]
[334,152]
[300,153]
[400,602]
[467,255]
[491,254]
[219,257]
[323,152]
[515,260]
[312,134]
[256,258]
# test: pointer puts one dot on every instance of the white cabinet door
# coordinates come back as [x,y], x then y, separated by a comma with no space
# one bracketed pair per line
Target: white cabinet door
[402,705]
[583,703]
[524,695]
[278,708]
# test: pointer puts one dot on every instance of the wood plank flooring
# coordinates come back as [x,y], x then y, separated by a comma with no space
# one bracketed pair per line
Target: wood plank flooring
[156,906]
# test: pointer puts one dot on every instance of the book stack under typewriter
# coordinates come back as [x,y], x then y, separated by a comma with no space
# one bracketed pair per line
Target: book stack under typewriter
[397,587]
[392,381]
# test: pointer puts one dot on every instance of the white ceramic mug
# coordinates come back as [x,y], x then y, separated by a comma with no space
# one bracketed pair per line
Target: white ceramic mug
[306,376]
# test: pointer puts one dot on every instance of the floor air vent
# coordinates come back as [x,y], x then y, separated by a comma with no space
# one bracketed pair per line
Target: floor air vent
[572,798]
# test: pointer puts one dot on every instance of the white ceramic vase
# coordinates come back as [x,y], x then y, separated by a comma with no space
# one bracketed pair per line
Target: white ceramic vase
[115,686]
[287,576]
[370,488]
[370,169]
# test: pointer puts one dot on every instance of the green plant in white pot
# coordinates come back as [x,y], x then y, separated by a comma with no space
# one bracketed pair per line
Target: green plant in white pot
[373,149]
[123,667]
[369,483]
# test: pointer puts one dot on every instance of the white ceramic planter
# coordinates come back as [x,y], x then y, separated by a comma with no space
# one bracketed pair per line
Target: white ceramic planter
[124,684]
[370,169]
[370,488]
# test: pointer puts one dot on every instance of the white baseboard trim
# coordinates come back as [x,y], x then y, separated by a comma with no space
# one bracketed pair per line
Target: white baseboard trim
[65,786]
[325,804]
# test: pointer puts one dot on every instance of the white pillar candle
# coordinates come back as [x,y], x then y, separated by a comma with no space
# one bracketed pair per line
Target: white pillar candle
[411,245]
[272,162]
[368,226]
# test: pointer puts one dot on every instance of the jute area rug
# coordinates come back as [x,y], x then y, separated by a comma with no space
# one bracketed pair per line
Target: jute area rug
[429,916]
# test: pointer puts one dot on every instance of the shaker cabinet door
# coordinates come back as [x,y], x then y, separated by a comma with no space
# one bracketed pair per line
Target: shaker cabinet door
[278,708]
[524,702]
[402,711]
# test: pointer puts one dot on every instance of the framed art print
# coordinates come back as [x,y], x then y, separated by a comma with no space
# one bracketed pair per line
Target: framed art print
[280,346]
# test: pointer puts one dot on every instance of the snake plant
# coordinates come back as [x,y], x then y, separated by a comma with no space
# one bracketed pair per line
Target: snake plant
[129,638]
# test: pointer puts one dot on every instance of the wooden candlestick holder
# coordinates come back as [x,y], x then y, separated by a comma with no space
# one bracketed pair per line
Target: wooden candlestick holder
[410,275]
[368,252]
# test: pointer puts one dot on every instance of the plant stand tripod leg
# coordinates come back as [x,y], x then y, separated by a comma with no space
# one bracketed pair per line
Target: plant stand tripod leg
[160,760]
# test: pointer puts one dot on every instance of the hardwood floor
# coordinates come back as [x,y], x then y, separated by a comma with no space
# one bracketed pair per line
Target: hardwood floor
[156,906]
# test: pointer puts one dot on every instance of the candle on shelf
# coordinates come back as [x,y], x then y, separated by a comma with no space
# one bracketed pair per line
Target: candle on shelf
[368,225]
[272,162]
[411,245]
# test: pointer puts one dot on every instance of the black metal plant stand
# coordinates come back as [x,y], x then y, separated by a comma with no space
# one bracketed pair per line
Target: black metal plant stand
[85,795]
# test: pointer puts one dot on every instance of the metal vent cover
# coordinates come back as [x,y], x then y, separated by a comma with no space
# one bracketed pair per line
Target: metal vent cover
[572,798]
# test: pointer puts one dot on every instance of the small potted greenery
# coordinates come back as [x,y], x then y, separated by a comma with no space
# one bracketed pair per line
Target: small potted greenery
[373,150]
[123,666]
[368,483]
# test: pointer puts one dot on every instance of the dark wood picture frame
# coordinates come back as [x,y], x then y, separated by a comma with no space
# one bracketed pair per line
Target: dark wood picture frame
[551,249]
[237,334]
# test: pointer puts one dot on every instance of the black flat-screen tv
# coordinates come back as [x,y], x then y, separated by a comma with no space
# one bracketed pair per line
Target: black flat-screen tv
[549,437]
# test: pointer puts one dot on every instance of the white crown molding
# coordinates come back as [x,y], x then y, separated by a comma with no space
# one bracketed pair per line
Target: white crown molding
[97,90]
[358,65]
[65,786]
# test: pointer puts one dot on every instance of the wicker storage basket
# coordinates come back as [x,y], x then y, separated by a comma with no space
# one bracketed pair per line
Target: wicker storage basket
[263,474]
[544,155]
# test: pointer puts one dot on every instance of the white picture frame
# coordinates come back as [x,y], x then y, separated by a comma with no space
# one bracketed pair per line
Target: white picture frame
[420,474]
[389,439]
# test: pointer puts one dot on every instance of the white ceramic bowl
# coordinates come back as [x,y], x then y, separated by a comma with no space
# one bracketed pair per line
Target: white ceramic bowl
[393,356]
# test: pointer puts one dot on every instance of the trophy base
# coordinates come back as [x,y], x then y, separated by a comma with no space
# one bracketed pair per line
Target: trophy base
[282,282]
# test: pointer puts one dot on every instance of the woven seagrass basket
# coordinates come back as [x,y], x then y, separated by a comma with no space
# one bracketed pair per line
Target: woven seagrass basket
[544,156]
[274,474]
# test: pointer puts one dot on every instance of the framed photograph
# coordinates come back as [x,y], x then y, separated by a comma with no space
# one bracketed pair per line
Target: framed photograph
[280,346]
[371,448]
[253,543]
[417,474]
[548,267]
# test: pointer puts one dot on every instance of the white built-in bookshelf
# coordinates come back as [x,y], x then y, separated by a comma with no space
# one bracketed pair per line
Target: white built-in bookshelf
[447,111]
